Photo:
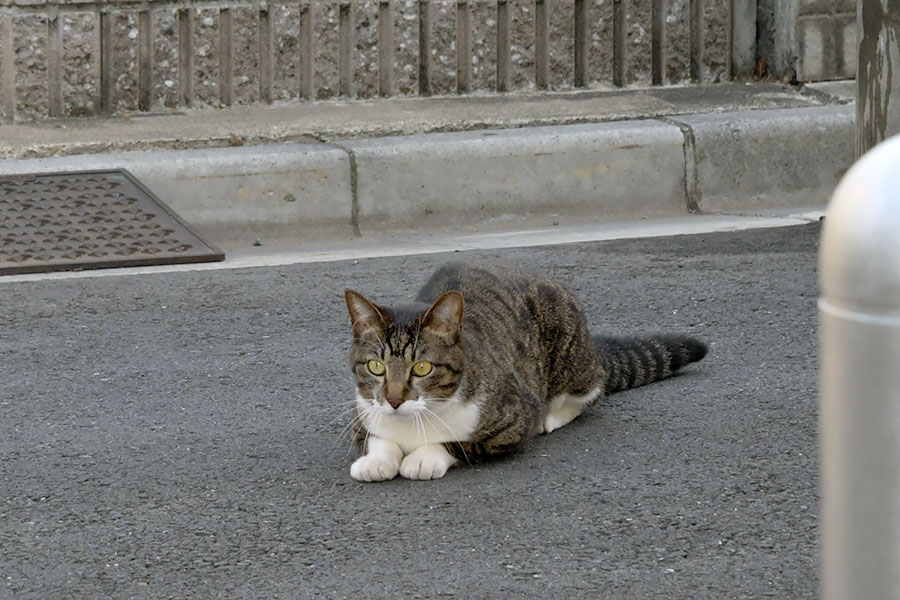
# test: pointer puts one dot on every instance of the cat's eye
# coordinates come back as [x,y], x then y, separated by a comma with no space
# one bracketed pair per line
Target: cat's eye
[422,368]
[376,367]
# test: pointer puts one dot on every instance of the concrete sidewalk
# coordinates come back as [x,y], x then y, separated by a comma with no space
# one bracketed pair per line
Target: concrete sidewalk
[342,169]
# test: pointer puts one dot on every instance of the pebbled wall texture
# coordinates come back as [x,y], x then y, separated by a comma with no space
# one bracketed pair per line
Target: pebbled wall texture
[81,78]
[805,40]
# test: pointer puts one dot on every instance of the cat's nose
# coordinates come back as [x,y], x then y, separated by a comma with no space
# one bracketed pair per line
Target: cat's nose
[395,394]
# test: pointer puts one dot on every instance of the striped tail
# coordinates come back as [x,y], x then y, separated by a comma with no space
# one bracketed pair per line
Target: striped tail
[633,362]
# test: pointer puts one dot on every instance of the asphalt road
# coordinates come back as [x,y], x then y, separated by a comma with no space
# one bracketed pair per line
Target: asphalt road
[180,435]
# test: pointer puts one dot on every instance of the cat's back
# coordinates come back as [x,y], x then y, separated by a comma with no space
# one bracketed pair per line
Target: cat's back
[501,299]
[480,285]
[521,323]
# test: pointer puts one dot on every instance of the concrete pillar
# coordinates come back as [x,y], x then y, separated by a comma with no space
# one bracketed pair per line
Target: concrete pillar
[878,76]
[859,329]
[743,38]
[784,63]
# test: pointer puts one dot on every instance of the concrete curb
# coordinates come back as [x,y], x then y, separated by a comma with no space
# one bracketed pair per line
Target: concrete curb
[751,160]
[727,162]
[609,169]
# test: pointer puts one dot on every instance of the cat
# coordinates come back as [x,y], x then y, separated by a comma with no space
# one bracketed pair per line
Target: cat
[485,359]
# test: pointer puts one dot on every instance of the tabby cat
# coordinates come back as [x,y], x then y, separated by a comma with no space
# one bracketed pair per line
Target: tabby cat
[485,359]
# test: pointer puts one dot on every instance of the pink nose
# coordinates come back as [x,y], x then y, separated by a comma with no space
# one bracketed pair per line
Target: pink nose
[395,393]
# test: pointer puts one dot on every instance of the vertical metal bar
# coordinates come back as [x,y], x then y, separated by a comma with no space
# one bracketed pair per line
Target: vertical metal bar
[95,66]
[345,50]
[186,56]
[657,42]
[7,68]
[619,36]
[226,64]
[503,46]
[541,47]
[385,48]
[696,40]
[580,53]
[463,47]
[305,68]
[145,60]
[54,62]
[729,41]
[424,47]
[266,54]
[106,63]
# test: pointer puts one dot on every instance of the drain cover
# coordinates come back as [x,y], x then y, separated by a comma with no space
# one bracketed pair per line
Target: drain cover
[90,220]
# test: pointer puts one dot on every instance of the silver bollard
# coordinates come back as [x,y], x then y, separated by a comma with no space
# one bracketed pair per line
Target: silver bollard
[859,337]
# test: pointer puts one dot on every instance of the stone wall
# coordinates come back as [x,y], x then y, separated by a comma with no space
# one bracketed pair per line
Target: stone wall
[805,40]
[826,40]
[81,72]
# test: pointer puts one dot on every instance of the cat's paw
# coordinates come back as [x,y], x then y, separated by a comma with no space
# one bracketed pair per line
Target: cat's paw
[554,422]
[374,468]
[430,461]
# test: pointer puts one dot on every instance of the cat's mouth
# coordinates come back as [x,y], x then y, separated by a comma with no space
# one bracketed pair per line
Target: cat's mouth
[409,408]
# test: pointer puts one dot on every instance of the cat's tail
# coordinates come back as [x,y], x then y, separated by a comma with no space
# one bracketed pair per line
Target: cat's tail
[633,362]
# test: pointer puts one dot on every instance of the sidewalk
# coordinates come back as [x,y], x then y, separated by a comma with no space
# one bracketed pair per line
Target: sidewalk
[333,170]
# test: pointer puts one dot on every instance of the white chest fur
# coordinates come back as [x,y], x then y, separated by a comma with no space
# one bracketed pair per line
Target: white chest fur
[417,423]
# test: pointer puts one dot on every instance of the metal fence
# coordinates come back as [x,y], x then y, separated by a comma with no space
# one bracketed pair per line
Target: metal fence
[306,49]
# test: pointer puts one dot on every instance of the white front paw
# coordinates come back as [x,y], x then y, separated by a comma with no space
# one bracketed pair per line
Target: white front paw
[430,461]
[374,468]
[552,423]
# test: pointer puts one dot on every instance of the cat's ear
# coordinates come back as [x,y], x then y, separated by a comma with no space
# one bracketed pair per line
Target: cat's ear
[364,316]
[445,316]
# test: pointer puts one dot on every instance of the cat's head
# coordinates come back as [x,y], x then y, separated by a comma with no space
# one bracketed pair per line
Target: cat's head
[406,357]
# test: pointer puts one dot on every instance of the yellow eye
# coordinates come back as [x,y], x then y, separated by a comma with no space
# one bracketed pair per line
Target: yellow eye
[376,367]
[422,368]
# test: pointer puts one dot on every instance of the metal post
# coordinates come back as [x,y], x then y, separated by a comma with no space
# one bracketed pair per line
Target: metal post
[463,47]
[7,70]
[55,99]
[859,312]
[541,44]
[424,47]
[878,76]
[345,49]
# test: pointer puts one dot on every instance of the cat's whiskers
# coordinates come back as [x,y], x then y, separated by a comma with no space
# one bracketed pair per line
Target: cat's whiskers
[452,433]
[420,426]
[378,416]
[351,406]
[357,419]
[330,407]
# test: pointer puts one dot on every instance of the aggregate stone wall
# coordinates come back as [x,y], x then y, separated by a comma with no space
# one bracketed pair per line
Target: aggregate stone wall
[81,74]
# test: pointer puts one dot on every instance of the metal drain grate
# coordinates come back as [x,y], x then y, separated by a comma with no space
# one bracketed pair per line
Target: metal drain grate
[90,220]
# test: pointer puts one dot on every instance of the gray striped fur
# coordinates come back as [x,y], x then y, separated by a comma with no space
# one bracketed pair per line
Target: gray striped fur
[522,341]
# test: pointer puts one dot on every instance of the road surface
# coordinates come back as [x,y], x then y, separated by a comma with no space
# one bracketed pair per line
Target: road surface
[180,435]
